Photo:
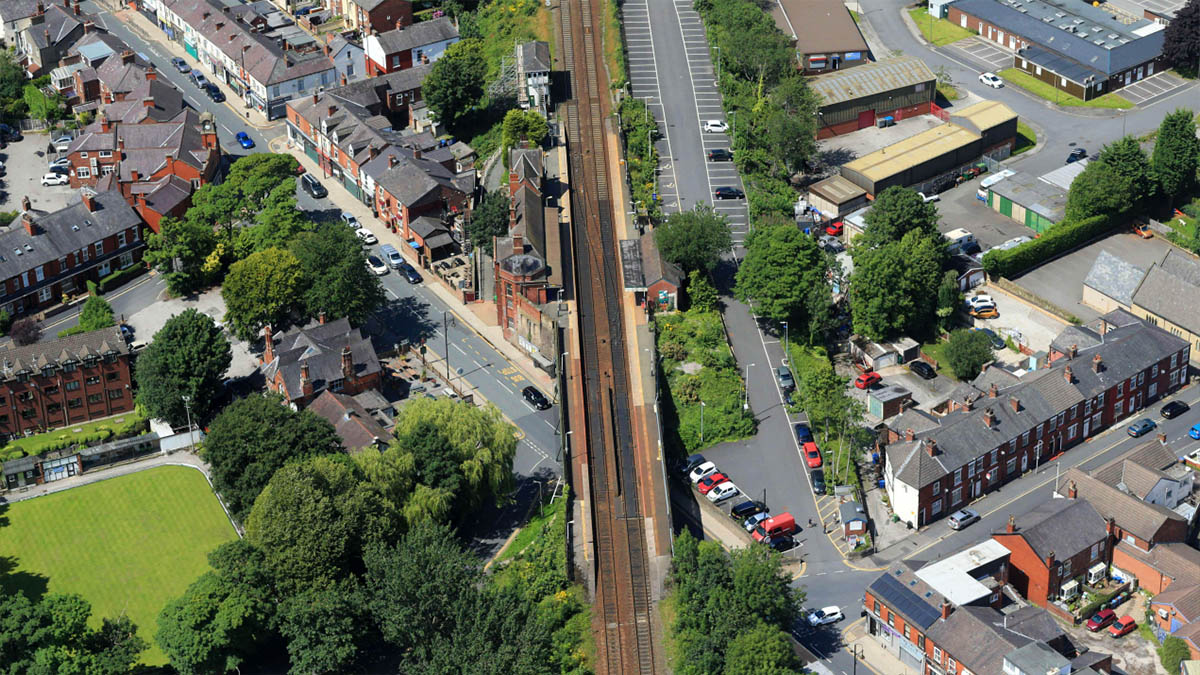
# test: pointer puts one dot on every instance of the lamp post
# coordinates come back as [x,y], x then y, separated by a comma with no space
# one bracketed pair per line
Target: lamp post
[746,402]
[187,400]
[785,342]
[718,65]
[702,406]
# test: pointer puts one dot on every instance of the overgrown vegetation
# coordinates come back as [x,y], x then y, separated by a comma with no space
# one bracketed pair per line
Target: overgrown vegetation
[639,131]
[834,416]
[112,428]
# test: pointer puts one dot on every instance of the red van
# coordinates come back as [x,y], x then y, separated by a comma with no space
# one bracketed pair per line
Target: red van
[782,524]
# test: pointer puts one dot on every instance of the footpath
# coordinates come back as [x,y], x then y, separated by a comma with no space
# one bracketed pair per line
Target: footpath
[141,464]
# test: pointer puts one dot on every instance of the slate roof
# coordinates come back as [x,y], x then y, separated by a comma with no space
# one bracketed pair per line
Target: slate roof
[1126,349]
[1171,289]
[1114,277]
[527,164]
[148,144]
[1176,560]
[1139,518]
[913,418]
[78,347]
[64,231]
[58,24]
[15,10]
[319,346]
[1064,527]
[534,57]
[166,102]
[1034,623]
[1185,598]
[356,426]
[164,194]
[1139,469]
[971,635]
[418,35]
[1036,657]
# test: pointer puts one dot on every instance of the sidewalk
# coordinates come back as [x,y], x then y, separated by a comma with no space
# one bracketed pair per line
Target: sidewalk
[491,334]
[871,654]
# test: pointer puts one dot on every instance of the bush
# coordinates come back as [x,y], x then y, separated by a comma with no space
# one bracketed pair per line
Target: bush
[1173,652]
[120,277]
[26,331]
[1056,240]
[7,217]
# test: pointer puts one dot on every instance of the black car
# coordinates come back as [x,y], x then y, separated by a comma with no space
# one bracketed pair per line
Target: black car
[782,543]
[997,343]
[727,192]
[720,155]
[1076,155]
[313,187]
[127,332]
[213,92]
[535,398]
[410,273]
[747,509]
[181,65]
[818,481]
[9,133]
[1173,409]
[691,462]
[922,369]
[803,433]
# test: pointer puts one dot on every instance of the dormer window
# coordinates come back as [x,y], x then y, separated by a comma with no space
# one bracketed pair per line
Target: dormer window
[48,371]
[69,366]
[324,126]
[110,357]
[90,361]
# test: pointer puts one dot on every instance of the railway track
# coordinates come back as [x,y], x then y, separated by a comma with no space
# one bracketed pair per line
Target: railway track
[622,616]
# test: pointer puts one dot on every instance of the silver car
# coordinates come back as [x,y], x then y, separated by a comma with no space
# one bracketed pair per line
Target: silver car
[962,518]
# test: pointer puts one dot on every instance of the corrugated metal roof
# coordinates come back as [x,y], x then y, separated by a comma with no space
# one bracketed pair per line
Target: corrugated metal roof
[837,190]
[986,114]
[870,79]
[912,151]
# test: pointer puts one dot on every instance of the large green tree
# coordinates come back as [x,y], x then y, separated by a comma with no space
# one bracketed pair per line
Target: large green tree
[262,289]
[252,438]
[455,84]
[178,252]
[694,240]
[489,219]
[781,264]
[279,221]
[1126,158]
[325,626]
[96,314]
[791,125]
[1099,190]
[188,357]
[967,351]
[893,289]
[1181,39]
[336,279]
[1176,155]
[764,649]
[895,212]
[52,636]
[523,125]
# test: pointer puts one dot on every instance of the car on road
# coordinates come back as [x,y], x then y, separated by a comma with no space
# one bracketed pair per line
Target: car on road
[368,237]
[244,140]
[391,256]
[1194,432]
[803,432]
[376,265]
[709,482]
[992,80]
[962,518]
[1173,409]
[55,179]
[181,65]
[783,375]
[834,229]
[867,380]
[997,343]
[818,480]
[1141,428]
[410,273]
[728,192]
[1076,155]
[720,493]
[1124,625]
[930,198]
[812,455]
[349,219]
[922,370]
[214,93]
[692,462]
[754,520]
[720,155]
[703,471]
[830,614]
[198,79]
[1101,619]
[62,143]
[715,127]
[746,509]
[313,187]
[535,398]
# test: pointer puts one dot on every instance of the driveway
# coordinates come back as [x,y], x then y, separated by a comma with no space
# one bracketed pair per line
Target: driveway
[959,207]
[1131,653]
[1025,324]
[990,55]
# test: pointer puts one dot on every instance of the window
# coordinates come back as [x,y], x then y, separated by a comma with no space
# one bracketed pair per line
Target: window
[48,371]
[1025,438]
[50,391]
[3,419]
[350,69]
[69,366]
[112,377]
[104,154]
[126,259]
[396,61]
[950,664]
[116,393]
[937,655]
[1141,378]
[28,413]
[892,619]
[25,396]
[1118,408]
[1037,432]
[54,408]
[995,455]
[3,401]
[1095,550]
[1072,430]
[907,632]
[106,169]
[921,642]
[83,155]
[937,488]
[73,386]
[120,239]
[1066,568]
[95,398]
[1100,399]
[39,273]
[94,379]
[74,403]
[955,496]
[1154,370]
[82,172]
[337,384]
[1011,467]
[275,91]
[99,246]
[876,607]
[936,507]
[44,294]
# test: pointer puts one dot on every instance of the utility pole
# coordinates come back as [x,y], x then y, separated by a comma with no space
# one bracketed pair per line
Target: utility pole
[702,406]
[746,388]
[191,439]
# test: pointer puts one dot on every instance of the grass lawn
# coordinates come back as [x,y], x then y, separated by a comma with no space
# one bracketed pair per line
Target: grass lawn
[1029,83]
[127,544]
[938,31]
[117,425]
[937,351]
[1026,138]
[948,91]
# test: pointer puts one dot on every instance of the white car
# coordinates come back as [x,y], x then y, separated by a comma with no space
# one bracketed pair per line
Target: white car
[981,299]
[930,198]
[830,614]
[55,179]
[715,127]
[753,521]
[991,80]
[377,266]
[62,143]
[701,472]
[367,236]
[350,220]
[721,492]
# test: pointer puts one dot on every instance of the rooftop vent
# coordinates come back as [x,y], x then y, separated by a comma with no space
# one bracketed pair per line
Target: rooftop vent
[1113,36]
[28,247]
[1077,21]
[75,228]
[1109,45]
[1048,19]
[1098,42]
[17,251]
[1060,14]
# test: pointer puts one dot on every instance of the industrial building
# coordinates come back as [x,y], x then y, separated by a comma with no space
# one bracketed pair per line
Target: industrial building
[854,99]
[826,37]
[835,197]
[1036,202]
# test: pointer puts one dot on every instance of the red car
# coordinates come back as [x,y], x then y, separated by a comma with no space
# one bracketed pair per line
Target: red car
[1126,624]
[1101,619]
[867,380]
[834,229]
[812,455]
[711,482]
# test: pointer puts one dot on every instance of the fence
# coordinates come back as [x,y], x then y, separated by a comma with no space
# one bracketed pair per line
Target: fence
[949,179]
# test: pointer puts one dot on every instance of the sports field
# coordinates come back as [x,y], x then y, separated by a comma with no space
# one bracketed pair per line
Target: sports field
[127,544]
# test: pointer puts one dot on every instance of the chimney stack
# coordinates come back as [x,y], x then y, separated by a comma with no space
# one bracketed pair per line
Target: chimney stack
[148,102]
[1097,363]
[347,364]
[88,26]
[89,200]
[989,418]
[127,56]
[46,32]
[343,79]
[909,435]
[1050,560]
[134,175]
[1012,524]
[931,447]
[1067,374]
[1110,527]
[393,161]
[30,227]
[41,9]
[1015,403]
[321,318]
[105,125]
[946,609]
[1072,492]
[1162,438]
[332,110]
[1074,351]
[315,97]
[151,73]
[76,8]
[992,391]
[121,146]
[306,387]
[25,205]
[268,345]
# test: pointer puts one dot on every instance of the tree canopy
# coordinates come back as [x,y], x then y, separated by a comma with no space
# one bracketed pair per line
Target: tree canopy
[694,240]
[895,212]
[1099,190]
[781,264]
[52,636]
[893,289]
[188,357]
[1176,155]
[262,289]
[967,351]
[489,219]
[523,125]
[1126,158]
[1181,39]
[178,252]
[455,84]
[335,276]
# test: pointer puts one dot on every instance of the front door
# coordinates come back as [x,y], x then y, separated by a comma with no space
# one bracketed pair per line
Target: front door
[1087,425]
[977,488]
[1024,463]
[962,20]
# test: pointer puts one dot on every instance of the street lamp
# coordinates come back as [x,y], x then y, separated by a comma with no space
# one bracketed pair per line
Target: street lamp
[718,65]
[785,342]
[746,402]
[702,406]
[187,400]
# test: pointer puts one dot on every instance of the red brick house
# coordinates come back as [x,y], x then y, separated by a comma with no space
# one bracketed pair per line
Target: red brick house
[67,381]
[353,419]
[1177,612]
[1160,567]
[304,362]
[408,44]
[373,16]
[1056,548]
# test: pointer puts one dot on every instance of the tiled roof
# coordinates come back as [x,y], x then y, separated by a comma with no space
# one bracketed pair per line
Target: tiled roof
[15,10]
[534,57]
[976,638]
[1176,560]
[1185,598]
[1171,289]
[527,164]
[1114,277]
[1034,623]
[69,229]
[1125,350]
[58,24]
[352,422]
[417,35]
[1139,518]
[78,347]
[319,346]
[1064,527]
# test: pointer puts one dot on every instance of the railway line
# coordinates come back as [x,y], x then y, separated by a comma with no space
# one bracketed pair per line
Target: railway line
[622,611]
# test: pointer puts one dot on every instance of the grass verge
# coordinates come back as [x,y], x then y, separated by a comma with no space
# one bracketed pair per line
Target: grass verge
[948,91]
[667,611]
[614,51]
[1031,84]
[1026,138]
[99,430]
[127,544]
[937,31]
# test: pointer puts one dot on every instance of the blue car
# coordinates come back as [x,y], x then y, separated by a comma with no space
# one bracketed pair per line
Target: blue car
[1194,432]
[1141,428]
[244,140]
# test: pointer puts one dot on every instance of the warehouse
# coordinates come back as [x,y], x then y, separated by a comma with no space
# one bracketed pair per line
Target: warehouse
[1036,202]
[826,37]
[986,128]
[854,99]
[835,196]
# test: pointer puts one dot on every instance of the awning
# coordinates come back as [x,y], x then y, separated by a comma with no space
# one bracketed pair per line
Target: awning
[1098,568]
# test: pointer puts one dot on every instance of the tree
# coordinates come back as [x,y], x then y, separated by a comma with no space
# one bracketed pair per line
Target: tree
[1098,190]
[252,438]
[781,263]
[700,292]
[967,351]
[324,627]
[1172,653]
[1126,158]
[1181,39]
[791,126]
[336,279]
[895,212]
[278,222]
[893,289]
[178,251]
[1176,155]
[26,331]
[523,125]
[763,649]
[262,289]
[187,358]
[694,240]
[52,636]
[489,219]
[455,84]
[949,297]
[96,314]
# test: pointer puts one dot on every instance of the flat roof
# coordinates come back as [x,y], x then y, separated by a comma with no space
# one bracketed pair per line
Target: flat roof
[819,26]
[870,79]
[1063,176]
[985,114]
[1034,194]
[912,151]
[952,577]
[837,189]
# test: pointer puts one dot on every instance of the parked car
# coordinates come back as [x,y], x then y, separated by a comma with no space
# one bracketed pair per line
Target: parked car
[1101,619]
[1076,155]
[985,313]
[391,256]
[834,229]
[818,480]
[535,398]
[244,140]
[922,370]
[997,343]
[410,273]
[715,127]
[723,491]
[784,377]
[313,187]
[991,80]
[753,521]
[376,265]
[830,614]
[728,192]
[703,471]
[720,155]
[692,462]
[1141,428]
[710,481]
[62,143]
[782,543]
[217,96]
[746,509]
[1173,409]
[198,79]
[55,179]
[368,237]
[9,133]
[774,526]
[812,455]
[867,380]
[61,163]
[1194,432]
[962,518]
[349,219]
[803,432]
[831,243]
[1124,625]
[981,300]
[181,65]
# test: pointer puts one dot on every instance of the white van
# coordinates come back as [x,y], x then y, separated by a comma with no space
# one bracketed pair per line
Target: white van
[959,240]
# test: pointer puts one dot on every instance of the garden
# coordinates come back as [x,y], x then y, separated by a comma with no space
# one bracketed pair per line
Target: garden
[90,433]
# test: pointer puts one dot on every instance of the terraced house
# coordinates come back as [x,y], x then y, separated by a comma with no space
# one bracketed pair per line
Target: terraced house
[1003,424]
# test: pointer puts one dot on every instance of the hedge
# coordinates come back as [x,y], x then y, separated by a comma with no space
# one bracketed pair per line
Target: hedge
[1056,240]
[119,277]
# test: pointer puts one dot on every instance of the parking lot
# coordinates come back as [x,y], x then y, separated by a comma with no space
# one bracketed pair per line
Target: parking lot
[1024,323]
[26,162]
[1061,281]
[1153,87]
[988,54]
[960,208]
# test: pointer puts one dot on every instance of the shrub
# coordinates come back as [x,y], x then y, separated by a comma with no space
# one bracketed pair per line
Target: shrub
[119,277]
[1058,239]
[26,331]
[1173,652]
